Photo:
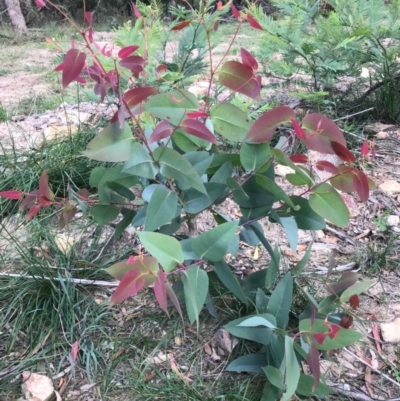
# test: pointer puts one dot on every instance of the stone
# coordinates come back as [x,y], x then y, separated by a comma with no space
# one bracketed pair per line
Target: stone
[52,132]
[393,220]
[283,170]
[390,187]
[391,331]
[36,387]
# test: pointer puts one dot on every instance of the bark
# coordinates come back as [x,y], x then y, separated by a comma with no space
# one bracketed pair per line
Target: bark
[16,17]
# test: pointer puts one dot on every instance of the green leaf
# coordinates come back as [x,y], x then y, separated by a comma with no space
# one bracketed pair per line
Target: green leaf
[265,243]
[303,262]
[327,202]
[124,223]
[253,157]
[355,289]
[195,284]
[281,300]
[140,162]
[258,334]
[292,375]
[230,121]
[306,218]
[290,227]
[344,338]
[257,321]
[161,208]
[112,144]
[222,174]
[275,377]
[253,363]
[305,385]
[273,269]
[261,301]
[271,393]
[213,244]
[172,106]
[121,190]
[200,161]
[275,189]
[221,158]
[195,201]
[164,248]
[188,143]
[103,214]
[229,280]
[175,166]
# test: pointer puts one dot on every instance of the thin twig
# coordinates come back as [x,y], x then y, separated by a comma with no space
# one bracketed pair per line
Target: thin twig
[374,369]
[82,281]
[354,114]
[340,234]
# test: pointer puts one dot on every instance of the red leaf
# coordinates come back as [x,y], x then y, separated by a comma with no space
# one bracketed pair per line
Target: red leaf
[135,96]
[74,350]
[67,215]
[313,364]
[33,211]
[196,114]
[30,200]
[298,130]
[253,23]
[73,64]
[342,152]
[131,284]
[248,60]
[113,79]
[219,6]
[44,189]
[324,165]
[239,78]
[264,128]
[354,301]
[319,337]
[60,67]
[333,331]
[81,80]
[346,321]
[89,35]
[161,131]
[364,148]
[104,51]
[127,51]
[40,3]
[12,194]
[89,17]
[320,131]
[132,63]
[161,68]
[299,158]
[215,26]
[136,11]
[345,180]
[160,291]
[181,25]
[235,12]
[377,338]
[174,299]
[198,129]
[361,185]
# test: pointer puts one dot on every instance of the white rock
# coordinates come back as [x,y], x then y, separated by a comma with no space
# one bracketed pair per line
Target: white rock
[283,170]
[393,220]
[391,331]
[390,187]
[36,387]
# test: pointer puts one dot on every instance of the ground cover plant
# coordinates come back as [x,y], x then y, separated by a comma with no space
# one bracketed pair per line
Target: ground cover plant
[160,141]
[325,46]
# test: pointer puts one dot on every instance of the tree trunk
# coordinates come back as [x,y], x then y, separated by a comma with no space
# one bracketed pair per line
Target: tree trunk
[16,17]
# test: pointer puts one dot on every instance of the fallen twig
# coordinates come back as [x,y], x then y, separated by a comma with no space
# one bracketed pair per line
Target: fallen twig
[82,281]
